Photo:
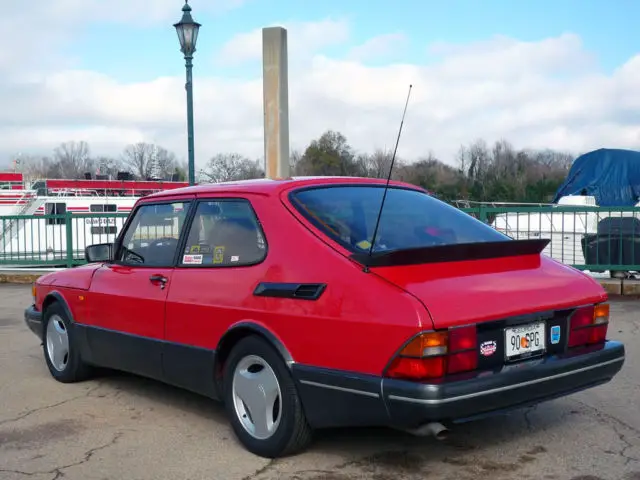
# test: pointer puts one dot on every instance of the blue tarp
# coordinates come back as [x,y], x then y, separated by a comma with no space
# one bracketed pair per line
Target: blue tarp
[610,175]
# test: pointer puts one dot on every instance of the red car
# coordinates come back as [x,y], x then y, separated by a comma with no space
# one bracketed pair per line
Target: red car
[267,295]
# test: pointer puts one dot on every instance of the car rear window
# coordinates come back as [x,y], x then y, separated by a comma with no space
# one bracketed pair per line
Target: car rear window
[410,218]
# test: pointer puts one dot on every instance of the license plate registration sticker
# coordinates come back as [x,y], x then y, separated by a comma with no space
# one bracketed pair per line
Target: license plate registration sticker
[524,340]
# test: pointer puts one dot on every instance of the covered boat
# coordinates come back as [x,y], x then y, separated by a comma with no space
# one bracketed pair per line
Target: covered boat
[603,181]
[610,175]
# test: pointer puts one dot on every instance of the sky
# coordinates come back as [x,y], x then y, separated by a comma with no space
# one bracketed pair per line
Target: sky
[539,74]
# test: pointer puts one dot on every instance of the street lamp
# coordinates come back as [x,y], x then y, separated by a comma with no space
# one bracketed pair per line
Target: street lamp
[187,31]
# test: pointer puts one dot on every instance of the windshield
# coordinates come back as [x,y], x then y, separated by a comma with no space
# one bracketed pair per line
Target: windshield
[410,218]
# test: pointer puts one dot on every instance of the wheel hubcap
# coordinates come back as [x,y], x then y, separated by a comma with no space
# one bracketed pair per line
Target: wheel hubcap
[57,343]
[257,398]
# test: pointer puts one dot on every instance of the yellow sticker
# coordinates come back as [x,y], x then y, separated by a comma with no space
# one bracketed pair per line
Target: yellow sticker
[194,249]
[363,244]
[218,255]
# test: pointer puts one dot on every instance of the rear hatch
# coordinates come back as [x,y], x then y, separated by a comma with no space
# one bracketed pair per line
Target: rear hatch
[463,292]
[508,296]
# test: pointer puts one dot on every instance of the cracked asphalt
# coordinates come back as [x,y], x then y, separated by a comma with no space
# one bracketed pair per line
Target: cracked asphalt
[123,427]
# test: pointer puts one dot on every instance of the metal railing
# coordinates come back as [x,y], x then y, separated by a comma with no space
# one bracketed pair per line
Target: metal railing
[54,240]
[593,239]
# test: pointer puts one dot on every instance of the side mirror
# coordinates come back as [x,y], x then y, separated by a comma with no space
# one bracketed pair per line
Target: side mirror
[102,252]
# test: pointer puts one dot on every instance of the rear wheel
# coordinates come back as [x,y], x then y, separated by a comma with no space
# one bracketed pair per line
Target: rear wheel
[60,348]
[262,401]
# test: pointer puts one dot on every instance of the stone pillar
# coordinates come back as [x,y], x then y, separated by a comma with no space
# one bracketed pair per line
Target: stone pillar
[275,84]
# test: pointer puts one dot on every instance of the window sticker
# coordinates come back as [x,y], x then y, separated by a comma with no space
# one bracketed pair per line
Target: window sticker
[199,249]
[218,255]
[192,259]
[364,244]
[235,258]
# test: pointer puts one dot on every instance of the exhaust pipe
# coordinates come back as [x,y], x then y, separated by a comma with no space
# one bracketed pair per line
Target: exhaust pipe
[434,429]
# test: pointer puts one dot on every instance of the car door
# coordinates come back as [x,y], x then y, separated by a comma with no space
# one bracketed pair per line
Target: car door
[221,262]
[127,296]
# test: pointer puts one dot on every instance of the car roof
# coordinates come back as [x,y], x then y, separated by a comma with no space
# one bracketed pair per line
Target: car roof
[268,186]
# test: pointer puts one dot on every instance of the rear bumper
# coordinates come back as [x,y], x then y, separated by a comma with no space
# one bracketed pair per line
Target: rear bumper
[33,319]
[349,399]
[411,404]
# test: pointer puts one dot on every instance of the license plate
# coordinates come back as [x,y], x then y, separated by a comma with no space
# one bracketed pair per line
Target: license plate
[524,340]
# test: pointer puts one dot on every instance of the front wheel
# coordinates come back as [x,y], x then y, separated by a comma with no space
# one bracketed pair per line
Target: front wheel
[262,401]
[60,348]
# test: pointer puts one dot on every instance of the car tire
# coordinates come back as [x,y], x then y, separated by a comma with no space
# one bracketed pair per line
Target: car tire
[254,366]
[60,347]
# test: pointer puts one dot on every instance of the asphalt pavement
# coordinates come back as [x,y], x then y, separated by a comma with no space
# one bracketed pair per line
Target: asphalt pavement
[128,428]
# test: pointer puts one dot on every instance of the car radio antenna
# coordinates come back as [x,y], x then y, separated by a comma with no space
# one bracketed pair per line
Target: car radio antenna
[386,187]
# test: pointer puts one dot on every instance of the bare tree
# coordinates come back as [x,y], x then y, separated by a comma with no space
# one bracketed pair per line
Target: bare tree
[72,159]
[108,166]
[378,163]
[479,159]
[461,160]
[147,160]
[165,163]
[139,158]
[294,160]
[225,167]
[36,168]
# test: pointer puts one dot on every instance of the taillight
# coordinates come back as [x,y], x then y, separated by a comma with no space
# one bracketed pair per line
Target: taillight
[434,354]
[463,344]
[588,325]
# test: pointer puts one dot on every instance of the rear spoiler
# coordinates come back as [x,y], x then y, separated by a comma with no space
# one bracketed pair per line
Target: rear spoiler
[452,253]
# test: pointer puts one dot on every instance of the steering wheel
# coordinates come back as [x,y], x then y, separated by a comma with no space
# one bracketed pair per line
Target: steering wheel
[131,256]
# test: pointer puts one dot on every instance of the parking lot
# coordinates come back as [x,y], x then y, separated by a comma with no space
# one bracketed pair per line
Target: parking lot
[123,427]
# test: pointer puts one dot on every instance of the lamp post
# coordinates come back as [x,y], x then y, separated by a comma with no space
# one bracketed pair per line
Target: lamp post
[187,31]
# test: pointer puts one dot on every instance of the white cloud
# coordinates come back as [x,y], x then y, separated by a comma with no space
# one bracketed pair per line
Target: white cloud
[503,56]
[379,48]
[303,39]
[548,93]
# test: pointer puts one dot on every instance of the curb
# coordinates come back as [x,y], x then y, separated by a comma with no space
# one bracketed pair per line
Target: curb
[627,287]
[19,278]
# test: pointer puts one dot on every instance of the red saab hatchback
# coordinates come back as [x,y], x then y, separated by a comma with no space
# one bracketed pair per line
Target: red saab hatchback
[269,296]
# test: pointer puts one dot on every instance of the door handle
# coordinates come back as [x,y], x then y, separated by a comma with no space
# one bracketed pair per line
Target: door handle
[158,278]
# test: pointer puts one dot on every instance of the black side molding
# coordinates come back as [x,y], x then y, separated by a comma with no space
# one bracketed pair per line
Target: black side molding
[452,253]
[299,291]
[57,296]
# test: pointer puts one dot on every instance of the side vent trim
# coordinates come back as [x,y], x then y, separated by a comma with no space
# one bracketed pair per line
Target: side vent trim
[295,291]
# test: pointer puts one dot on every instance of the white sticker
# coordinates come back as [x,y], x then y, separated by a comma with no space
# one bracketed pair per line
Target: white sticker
[192,259]
[235,258]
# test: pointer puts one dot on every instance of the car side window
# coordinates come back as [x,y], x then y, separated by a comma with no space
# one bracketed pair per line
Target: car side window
[153,235]
[224,233]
